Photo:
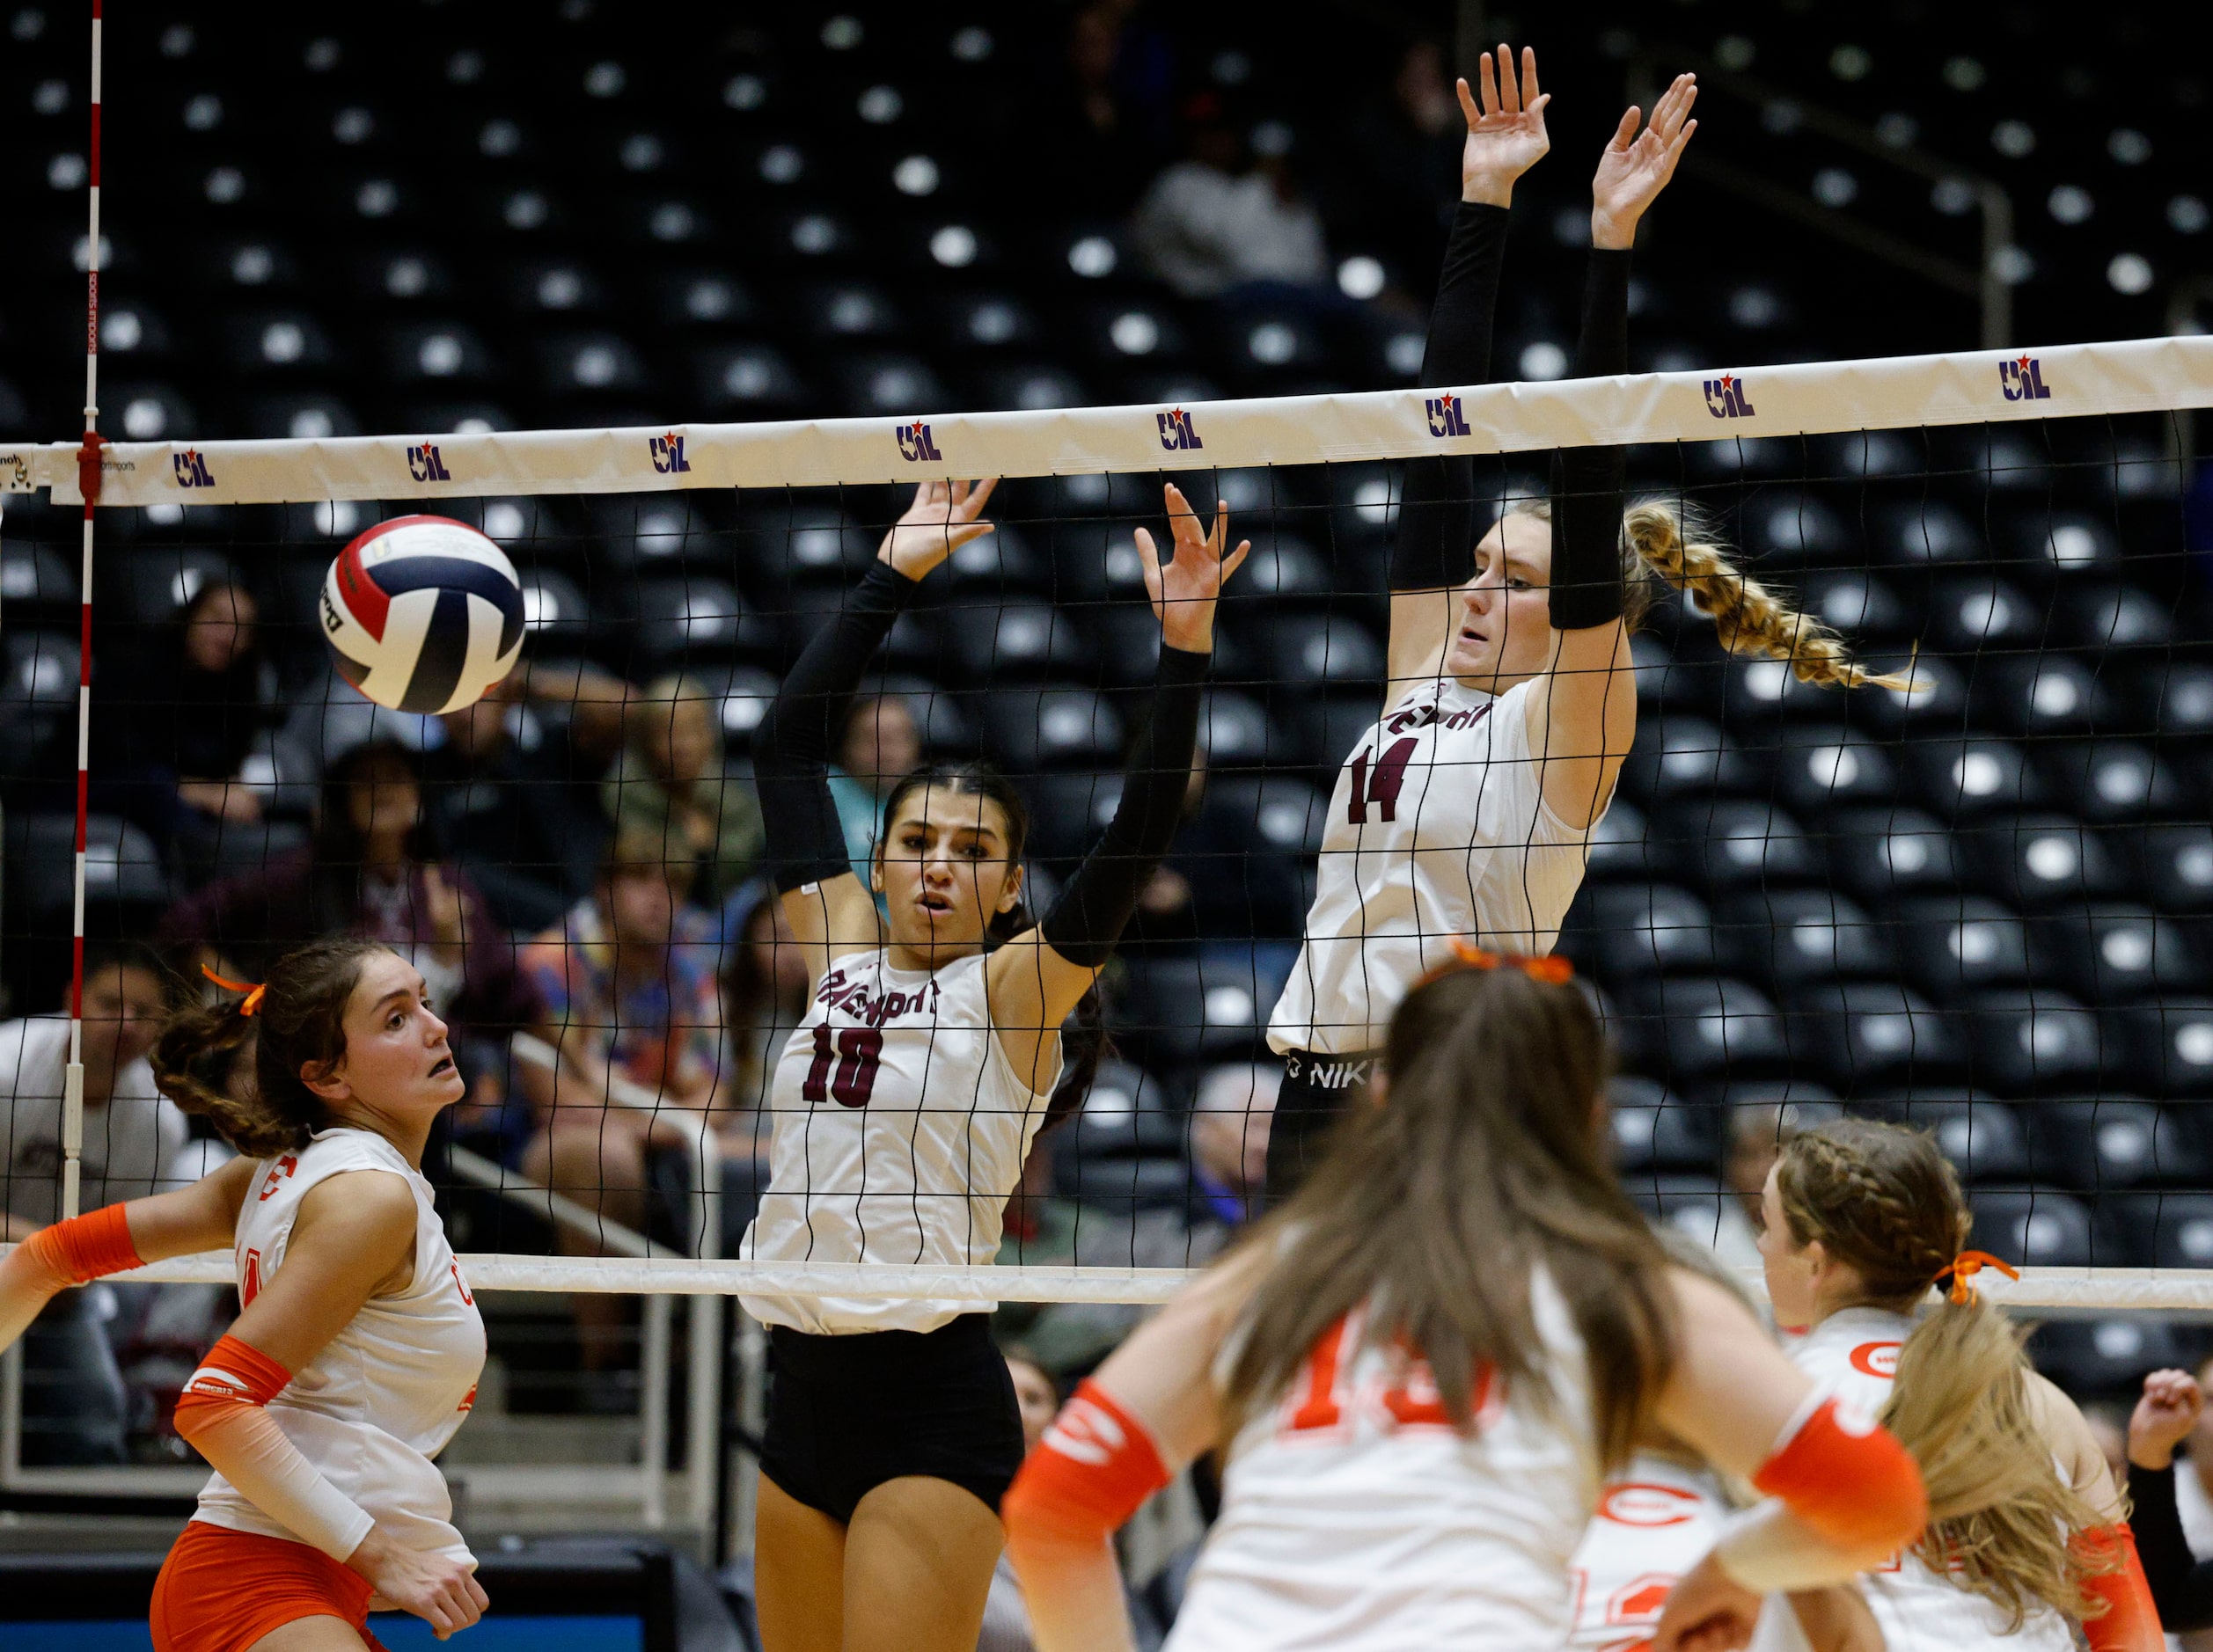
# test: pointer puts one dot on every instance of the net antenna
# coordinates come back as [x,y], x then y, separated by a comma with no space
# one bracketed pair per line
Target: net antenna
[88,472]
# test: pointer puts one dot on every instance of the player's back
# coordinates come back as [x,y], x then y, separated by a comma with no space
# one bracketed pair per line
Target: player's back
[1655,1520]
[1356,1516]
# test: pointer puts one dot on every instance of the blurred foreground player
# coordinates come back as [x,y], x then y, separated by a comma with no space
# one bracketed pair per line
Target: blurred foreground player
[1424,1364]
[2027,1536]
[356,1354]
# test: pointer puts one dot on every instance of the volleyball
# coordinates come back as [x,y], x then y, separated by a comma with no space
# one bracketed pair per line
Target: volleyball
[422,614]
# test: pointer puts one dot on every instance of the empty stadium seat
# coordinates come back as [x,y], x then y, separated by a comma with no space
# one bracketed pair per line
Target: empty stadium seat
[1684,757]
[2102,1356]
[2030,1040]
[2113,1142]
[1973,779]
[1731,844]
[2111,952]
[2039,1228]
[2163,1048]
[1881,853]
[2033,694]
[2112,780]
[1794,937]
[2041,860]
[1961,943]
[1213,1007]
[1818,770]
[1053,727]
[1867,1032]
[1984,1138]
[1655,1131]
[1703,1027]
[1015,642]
[2175,867]
[1645,929]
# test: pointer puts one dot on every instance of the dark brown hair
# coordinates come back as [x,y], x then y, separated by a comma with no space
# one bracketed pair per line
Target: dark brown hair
[1886,1201]
[1486,1158]
[299,1022]
[1083,1042]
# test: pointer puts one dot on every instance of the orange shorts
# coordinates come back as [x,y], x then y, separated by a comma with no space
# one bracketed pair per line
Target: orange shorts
[221,1590]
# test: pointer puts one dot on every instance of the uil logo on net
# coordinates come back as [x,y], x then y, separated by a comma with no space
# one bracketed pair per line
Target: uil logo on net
[425,464]
[668,453]
[1445,417]
[1726,398]
[915,442]
[1176,430]
[2022,379]
[191,469]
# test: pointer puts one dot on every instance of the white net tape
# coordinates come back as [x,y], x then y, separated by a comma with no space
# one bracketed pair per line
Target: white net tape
[1969,387]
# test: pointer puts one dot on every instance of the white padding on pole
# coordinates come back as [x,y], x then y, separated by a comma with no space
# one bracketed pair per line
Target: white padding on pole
[1709,405]
[2071,1289]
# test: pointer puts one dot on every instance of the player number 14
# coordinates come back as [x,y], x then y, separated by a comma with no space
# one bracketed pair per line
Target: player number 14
[1382,787]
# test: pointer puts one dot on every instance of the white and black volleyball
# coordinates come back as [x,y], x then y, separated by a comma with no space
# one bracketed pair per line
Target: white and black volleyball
[423,614]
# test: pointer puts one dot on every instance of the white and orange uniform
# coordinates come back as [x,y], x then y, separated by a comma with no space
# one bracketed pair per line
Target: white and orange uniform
[1356,1517]
[1855,1355]
[387,1392]
[1655,1520]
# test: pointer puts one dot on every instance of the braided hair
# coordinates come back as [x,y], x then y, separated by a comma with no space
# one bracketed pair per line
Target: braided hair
[1664,544]
[1885,1201]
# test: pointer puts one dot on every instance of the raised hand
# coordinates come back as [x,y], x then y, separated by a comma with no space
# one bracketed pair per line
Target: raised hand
[1636,165]
[2164,1417]
[1505,135]
[941,519]
[1185,588]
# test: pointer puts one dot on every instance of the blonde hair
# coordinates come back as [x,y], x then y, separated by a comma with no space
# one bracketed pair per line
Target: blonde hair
[1668,542]
[2001,1520]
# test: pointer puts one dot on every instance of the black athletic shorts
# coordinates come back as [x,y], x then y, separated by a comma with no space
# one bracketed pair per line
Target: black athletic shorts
[846,1414]
[1315,1090]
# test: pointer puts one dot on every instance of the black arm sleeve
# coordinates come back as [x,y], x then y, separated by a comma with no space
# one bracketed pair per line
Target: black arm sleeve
[1436,518]
[1087,918]
[799,818]
[2181,1586]
[1588,483]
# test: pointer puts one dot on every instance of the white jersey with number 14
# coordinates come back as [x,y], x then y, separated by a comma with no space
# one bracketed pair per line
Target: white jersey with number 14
[1437,831]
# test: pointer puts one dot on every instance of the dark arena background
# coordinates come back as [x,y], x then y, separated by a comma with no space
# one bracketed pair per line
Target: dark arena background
[755,262]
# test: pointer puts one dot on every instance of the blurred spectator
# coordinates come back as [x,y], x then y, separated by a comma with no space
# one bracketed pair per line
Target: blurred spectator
[1100,115]
[1231,1113]
[1006,1614]
[671,784]
[765,975]
[882,744]
[1757,1131]
[1395,176]
[371,871]
[175,717]
[137,1142]
[76,1406]
[513,792]
[2194,1479]
[1217,882]
[1216,221]
[632,1005]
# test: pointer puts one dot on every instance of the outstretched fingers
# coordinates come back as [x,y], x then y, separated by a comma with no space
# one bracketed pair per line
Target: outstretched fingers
[1236,559]
[1487,78]
[1625,130]
[1531,98]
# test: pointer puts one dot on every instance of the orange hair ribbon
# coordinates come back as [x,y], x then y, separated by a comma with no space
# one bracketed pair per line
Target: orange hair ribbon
[1966,1265]
[253,992]
[1550,970]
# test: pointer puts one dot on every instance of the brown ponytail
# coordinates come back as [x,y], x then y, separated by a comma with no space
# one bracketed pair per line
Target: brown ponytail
[1885,1201]
[299,1021]
[1668,542]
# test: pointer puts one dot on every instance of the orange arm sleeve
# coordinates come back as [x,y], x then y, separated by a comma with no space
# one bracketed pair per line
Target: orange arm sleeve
[2130,1622]
[223,1412]
[1848,1478]
[53,1259]
[1096,1465]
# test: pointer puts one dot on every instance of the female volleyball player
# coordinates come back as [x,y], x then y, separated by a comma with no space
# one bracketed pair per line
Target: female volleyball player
[356,1354]
[904,1104]
[1861,1220]
[1467,809]
[1423,1366]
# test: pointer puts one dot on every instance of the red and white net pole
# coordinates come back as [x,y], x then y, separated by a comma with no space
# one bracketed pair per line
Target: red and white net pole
[88,476]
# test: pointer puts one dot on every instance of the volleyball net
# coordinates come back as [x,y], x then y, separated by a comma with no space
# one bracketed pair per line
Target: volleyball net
[1980,906]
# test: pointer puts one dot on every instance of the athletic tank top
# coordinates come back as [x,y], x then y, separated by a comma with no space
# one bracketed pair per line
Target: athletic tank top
[900,1129]
[387,1392]
[1356,1517]
[1654,1522]
[1438,830]
[1855,1355]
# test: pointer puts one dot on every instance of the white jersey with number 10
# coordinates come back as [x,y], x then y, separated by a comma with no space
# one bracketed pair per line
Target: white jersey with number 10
[900,1129]
[1438,830]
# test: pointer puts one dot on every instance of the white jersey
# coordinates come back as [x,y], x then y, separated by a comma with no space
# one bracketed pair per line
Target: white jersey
[1356,1517]
[1854,1355]
[1438,830]
[387,1392]
[1654,1522]
[900,1130]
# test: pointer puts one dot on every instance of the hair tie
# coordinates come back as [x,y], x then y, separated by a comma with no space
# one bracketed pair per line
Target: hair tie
[1551,969]
[1964,1266]
[252,993]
